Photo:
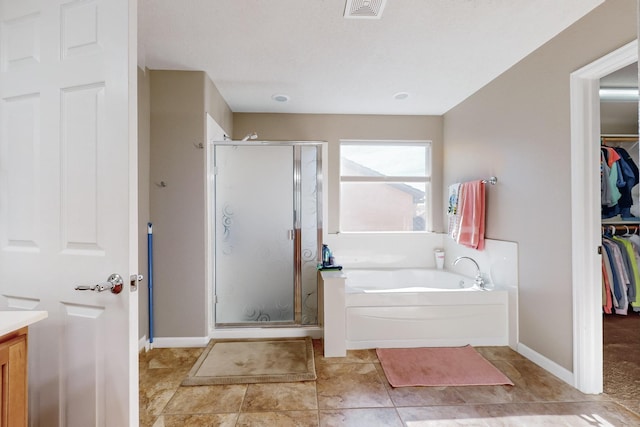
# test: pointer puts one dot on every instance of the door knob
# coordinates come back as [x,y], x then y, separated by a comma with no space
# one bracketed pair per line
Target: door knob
[114,283]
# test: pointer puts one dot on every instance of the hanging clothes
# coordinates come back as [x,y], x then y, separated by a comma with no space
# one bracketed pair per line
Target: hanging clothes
[635,241]
[620,276]
[607,279]
[620,273]
[629,173]
[618,175]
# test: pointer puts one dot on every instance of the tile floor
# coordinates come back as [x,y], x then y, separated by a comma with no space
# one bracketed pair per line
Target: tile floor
[353,391]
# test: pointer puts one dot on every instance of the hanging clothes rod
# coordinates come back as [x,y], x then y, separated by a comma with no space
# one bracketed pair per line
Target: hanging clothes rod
[620,229]
[618,138]
[491,180]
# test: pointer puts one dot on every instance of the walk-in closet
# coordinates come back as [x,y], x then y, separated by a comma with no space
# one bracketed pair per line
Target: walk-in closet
[620,213]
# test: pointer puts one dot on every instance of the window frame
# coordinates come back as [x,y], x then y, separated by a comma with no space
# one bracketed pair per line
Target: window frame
[391,179]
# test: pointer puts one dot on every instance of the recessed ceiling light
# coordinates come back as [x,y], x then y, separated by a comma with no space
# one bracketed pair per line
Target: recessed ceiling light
[280,98]
[401,95]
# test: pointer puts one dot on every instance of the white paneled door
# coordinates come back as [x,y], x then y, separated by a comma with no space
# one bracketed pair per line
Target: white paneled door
[68,202]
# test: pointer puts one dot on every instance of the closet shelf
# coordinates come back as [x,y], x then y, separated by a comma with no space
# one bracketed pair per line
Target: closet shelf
[617,220]
[620,222]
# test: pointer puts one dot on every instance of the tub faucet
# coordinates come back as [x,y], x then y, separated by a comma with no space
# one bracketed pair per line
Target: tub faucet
[479,281]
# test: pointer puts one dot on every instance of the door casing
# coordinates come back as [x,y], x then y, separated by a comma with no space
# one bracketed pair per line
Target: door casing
[585,224]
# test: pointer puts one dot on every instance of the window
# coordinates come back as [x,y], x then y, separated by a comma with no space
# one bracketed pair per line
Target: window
[384,185]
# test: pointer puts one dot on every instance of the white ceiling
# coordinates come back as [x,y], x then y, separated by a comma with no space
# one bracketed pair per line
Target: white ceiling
[439,51]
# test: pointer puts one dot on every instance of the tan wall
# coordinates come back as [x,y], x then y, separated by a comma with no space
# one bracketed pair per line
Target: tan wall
[332,128]
[179,101]
[177,210]
[144,165]
[216,106]
[619,118]
[518,128]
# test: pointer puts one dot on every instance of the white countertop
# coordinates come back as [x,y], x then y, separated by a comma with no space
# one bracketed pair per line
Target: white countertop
[13,320]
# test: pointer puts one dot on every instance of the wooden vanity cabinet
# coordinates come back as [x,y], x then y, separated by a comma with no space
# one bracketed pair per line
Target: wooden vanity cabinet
[13,364]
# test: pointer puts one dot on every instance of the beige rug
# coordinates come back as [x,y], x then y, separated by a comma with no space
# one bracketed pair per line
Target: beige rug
[251,361]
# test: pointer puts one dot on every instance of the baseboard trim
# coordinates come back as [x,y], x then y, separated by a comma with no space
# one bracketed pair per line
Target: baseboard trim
[175,342]
[547,364]
[143,344]
[314,332]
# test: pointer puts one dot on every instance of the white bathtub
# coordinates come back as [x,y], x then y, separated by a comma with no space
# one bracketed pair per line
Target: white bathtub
[413,308]
[405,280]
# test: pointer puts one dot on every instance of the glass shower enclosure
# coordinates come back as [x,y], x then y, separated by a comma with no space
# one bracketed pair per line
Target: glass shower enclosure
[267,229]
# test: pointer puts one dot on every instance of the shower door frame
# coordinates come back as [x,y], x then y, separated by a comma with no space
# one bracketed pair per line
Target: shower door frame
[297,232]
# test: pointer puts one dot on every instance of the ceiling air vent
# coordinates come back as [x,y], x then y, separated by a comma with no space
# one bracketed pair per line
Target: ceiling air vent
[364,9]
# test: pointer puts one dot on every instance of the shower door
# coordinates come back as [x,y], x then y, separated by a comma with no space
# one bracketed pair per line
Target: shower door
[266,235]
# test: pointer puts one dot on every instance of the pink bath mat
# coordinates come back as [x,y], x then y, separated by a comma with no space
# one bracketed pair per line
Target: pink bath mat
[438,366]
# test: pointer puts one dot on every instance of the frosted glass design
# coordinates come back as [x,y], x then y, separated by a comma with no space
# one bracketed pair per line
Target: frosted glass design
[309,223]
[227,222]
[254,267]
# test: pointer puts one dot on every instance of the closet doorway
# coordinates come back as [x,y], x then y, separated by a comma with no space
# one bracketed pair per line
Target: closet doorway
[620,230]
[586,261]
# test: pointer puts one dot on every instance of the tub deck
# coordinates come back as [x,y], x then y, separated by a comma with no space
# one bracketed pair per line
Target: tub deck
[412,316]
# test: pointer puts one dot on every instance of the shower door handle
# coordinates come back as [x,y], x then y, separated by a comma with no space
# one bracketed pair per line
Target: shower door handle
[291,235]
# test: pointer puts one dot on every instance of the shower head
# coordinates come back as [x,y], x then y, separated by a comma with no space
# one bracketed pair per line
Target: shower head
[249,136]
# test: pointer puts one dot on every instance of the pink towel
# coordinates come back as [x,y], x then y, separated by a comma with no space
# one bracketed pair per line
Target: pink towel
[472,208]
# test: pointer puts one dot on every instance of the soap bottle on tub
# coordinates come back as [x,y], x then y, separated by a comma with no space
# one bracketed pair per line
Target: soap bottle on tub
[326,256]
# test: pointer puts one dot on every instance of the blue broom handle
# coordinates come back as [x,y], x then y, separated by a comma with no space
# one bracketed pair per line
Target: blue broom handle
[150,276]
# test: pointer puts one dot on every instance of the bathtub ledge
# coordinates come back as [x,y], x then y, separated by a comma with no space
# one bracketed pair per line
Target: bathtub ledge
[333,316]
